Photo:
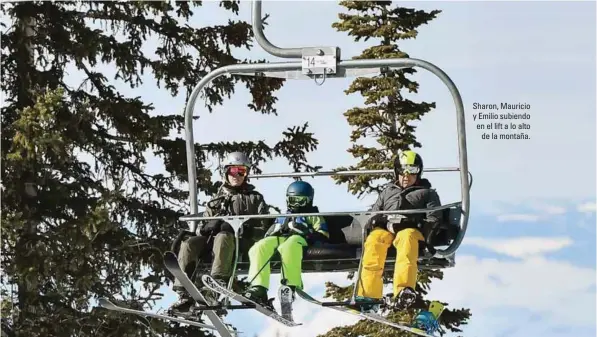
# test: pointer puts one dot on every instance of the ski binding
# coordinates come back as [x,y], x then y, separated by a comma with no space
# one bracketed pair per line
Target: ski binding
[211,284]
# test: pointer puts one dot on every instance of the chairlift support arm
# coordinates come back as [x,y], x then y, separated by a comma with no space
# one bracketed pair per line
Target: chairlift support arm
[257,24]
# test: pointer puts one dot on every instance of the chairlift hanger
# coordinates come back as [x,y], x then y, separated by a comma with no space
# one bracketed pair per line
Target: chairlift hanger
[319,64]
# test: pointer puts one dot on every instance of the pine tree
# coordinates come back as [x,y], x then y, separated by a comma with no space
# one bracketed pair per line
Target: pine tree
[81,216]
[385,117]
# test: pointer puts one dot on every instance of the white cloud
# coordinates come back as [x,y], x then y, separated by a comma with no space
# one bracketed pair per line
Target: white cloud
[535,210]
[539,208]
[518,217]
[548,208]
[560,292]
[588,207]
[554,210]
[521,247]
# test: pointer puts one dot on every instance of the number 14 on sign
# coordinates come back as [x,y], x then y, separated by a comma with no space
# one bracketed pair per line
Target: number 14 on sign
[319,64]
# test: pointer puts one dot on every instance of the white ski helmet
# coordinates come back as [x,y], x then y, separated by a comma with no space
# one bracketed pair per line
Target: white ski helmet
[235,159]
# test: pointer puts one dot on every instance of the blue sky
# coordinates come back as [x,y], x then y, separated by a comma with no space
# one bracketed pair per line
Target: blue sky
[527,265]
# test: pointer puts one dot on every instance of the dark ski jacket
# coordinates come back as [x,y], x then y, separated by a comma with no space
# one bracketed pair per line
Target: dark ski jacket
[420,195]
[242,200]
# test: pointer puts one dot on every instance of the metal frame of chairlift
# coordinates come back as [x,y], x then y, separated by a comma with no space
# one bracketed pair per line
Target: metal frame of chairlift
[323,63]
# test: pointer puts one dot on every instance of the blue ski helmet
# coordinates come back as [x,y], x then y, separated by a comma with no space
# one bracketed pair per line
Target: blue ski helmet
[299,194]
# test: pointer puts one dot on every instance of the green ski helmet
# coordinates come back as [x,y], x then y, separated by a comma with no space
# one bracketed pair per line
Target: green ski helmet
[408,162]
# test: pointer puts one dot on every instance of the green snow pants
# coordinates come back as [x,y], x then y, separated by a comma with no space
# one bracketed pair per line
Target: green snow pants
[291,254]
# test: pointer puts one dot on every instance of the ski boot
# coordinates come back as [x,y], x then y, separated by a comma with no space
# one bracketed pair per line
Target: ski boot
[183,305]
[427,321]
[258,294]
[403,300]
[363,307]
[212,297]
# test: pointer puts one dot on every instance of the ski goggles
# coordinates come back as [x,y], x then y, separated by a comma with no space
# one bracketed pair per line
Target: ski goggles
[409,169]
[297,201]
[237,171]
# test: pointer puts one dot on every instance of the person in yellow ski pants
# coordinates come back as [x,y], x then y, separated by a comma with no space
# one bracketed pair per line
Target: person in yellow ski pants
[376,247]
[409,191]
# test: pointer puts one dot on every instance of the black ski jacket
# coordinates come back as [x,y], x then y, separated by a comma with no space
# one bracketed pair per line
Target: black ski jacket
[420,195]
[243,200]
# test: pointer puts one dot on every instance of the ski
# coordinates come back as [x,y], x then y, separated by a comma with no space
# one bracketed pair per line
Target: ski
[211,284]
[286,298]
[107,304]
[370,316]
[171,263]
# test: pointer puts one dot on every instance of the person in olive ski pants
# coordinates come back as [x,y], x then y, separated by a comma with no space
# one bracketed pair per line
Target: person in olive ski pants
[288,236]
[235,197]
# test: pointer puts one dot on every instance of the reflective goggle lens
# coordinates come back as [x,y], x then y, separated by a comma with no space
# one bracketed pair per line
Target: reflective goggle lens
[409,169]
[237,171]
[298,200]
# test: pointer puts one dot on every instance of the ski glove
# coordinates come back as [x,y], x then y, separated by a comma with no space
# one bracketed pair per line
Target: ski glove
[396,222]
[316,239]
[299,225]
[226,227]
[276,227]
[212,227]
[379,221]
[393,223]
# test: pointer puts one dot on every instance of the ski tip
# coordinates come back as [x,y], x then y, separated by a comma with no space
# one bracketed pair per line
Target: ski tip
[106,303]
[305,296]
[299,291]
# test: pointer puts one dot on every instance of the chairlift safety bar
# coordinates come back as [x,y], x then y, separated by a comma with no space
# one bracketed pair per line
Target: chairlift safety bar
[196,217]
[342,173]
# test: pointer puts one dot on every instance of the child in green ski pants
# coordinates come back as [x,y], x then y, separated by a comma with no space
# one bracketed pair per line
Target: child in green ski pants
[288,236]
